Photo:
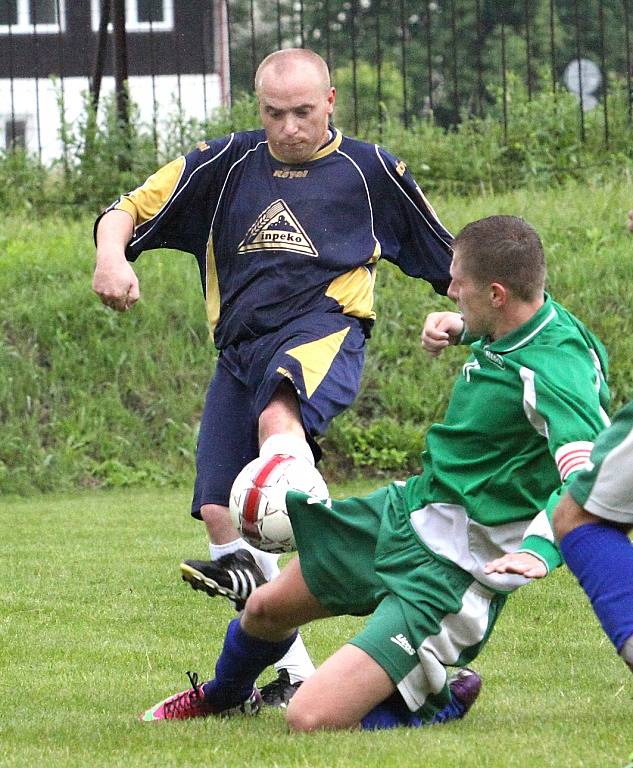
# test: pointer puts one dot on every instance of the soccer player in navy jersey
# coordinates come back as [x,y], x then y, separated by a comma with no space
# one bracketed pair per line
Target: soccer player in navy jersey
[287,225]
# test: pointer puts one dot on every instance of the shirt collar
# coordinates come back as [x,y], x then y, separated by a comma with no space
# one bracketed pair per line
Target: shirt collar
[522,335]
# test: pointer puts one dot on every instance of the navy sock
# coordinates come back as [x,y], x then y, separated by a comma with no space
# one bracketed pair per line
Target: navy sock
[242,660]
[601,558]
[390,713]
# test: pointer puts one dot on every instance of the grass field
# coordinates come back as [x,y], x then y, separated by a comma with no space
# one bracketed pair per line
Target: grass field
[95,626]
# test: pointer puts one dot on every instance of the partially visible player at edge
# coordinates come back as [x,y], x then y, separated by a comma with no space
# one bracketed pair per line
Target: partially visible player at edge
[287,225]
[591,523]
[416,555]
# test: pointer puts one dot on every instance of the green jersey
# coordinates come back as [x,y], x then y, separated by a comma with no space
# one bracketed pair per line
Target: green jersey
[521,421]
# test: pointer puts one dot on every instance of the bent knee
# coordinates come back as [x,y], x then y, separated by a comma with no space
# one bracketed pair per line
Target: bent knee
[302,719]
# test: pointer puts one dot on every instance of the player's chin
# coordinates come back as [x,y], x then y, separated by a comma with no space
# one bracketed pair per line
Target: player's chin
[293,155]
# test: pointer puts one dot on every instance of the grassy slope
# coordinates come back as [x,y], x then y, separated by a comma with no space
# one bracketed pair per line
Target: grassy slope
[89,397]
[95,627]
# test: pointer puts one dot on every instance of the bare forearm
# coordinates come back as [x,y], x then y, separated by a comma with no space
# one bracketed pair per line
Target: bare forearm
[114,280]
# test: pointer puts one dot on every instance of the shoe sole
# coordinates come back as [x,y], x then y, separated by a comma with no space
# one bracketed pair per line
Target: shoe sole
[203,583]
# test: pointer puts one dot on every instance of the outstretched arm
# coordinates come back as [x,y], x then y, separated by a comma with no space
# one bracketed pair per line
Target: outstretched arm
[440,330]
[114,280]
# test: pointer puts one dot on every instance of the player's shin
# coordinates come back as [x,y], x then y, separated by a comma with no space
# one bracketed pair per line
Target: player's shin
[241,661]
[601,558]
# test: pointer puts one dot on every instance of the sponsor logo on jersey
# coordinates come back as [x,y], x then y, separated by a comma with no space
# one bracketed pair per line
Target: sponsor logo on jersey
[494,358]
[401,168]
[277,229]
[402,641]
[288,173]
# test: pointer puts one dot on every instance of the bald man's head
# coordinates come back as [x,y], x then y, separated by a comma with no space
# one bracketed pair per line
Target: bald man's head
[280,62]
[296,101]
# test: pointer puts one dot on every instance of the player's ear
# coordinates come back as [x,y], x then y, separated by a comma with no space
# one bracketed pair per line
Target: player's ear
[331,100]
[499,295]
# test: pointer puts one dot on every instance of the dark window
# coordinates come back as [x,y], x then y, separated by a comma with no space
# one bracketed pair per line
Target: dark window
[150,10]
[44,12]
[8,12]
[15,134]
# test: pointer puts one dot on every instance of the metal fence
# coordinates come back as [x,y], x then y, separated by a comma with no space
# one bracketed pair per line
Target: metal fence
[451,56]
[404,59]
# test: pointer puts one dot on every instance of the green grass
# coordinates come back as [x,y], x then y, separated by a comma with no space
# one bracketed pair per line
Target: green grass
[95,626]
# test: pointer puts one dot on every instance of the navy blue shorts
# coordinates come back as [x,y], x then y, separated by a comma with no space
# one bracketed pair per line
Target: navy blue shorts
[321,355]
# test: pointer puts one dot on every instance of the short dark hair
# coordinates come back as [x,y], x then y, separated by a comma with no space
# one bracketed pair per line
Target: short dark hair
[503,249]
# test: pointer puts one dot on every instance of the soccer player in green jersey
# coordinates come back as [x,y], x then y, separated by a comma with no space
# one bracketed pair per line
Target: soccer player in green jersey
[591,523]
[415,556]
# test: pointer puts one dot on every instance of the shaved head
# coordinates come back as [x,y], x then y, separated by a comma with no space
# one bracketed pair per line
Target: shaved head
[296,101]
[280,62]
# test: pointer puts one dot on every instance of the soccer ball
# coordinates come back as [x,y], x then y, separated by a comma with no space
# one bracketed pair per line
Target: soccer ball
[258,499]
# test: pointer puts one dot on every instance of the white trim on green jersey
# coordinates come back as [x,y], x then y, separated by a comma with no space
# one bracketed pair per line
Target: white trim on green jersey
[448,531]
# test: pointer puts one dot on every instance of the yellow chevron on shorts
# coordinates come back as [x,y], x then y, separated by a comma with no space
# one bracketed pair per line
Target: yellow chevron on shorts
[316,358]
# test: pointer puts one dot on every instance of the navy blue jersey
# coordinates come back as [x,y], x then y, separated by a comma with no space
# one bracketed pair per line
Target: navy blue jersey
[275,241]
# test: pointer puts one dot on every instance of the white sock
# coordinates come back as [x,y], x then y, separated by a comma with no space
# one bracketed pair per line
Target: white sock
[266,560]
[288,443]
[296,661]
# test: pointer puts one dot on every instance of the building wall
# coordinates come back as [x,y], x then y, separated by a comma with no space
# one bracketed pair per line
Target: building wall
[42,136]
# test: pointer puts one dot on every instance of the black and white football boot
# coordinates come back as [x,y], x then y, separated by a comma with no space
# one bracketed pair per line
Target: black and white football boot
[234,576]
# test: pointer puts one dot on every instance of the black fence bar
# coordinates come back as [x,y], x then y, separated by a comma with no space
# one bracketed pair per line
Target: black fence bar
[552,45]
[605,74]
[254,61]
[352,22]
[229,40]
[627,45]
[279,37]
[581,99]
[504,78]
[62,85]
[379,104]
[429,53]
[454,48]
[403,60]
[12,87]
[36,59]
[302,28]
[152,54]
[478,61]
[328,41]
[528,47]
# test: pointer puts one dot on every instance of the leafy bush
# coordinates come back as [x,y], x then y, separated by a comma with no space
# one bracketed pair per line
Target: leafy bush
[542,146]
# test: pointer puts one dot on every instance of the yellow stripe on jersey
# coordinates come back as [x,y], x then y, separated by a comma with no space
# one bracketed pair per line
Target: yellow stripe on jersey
[316,358]
[145,201]
[354,291]
[212,289]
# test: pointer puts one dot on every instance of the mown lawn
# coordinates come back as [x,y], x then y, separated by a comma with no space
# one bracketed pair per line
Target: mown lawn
[95,626]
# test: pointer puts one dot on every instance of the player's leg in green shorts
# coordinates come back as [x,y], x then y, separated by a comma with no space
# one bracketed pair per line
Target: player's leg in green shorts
[426,615]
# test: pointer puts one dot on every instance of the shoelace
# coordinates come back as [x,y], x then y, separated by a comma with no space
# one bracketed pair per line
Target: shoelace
[186,699]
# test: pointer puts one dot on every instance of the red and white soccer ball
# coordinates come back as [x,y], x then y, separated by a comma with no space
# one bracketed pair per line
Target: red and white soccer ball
[258,499]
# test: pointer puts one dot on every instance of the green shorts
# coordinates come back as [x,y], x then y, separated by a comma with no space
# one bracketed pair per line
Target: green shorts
[361,556]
